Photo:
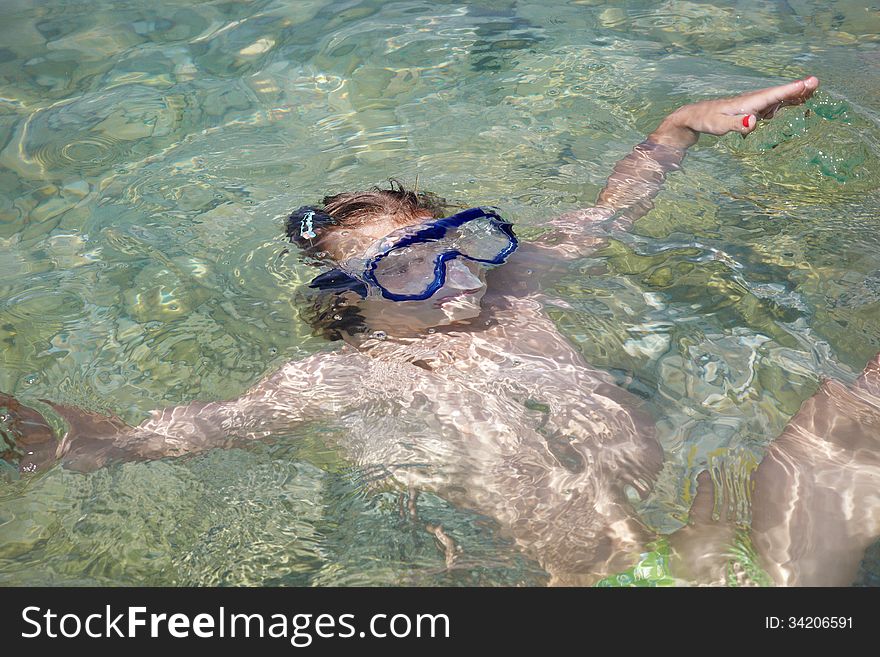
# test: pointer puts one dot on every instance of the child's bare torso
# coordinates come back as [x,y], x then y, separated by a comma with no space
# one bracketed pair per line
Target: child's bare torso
[503,416]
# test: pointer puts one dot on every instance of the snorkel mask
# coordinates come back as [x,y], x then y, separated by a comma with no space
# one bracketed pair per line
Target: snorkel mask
[412,263]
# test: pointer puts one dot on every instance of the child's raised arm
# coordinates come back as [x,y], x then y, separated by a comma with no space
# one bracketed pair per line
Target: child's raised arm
[638,177]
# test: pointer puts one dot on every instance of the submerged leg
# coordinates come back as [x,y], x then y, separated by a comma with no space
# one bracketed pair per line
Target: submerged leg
[816,498]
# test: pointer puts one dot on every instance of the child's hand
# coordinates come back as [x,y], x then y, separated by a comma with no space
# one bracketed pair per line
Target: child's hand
[26,439]
[738,114]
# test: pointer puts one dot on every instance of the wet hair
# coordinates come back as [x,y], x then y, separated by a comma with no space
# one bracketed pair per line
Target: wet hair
[355,209]
[332,313]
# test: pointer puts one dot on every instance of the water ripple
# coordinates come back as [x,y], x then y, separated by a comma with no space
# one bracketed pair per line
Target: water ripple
[150,155]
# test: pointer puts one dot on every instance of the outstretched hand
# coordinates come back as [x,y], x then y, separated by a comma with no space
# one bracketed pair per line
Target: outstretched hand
[739,114]
[26,438]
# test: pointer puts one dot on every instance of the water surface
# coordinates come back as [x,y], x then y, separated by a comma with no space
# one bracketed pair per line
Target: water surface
[149,155]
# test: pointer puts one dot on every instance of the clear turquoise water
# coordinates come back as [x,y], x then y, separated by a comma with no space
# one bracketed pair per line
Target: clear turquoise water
[148,156]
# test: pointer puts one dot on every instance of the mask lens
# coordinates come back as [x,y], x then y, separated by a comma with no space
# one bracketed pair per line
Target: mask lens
[409,270]
[460,277]
[481,239]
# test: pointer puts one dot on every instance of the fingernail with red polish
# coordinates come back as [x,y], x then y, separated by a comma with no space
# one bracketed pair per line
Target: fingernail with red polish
[746,120]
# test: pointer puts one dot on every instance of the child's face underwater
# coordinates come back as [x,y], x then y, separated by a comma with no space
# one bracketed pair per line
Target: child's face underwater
[457,300]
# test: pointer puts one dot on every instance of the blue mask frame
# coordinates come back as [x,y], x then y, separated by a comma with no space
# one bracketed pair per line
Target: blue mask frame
[338,280]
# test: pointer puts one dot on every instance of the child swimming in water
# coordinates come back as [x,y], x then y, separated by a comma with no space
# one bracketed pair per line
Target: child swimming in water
[453,379]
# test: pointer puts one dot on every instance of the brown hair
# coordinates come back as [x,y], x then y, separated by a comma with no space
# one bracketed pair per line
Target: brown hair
[352,209]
